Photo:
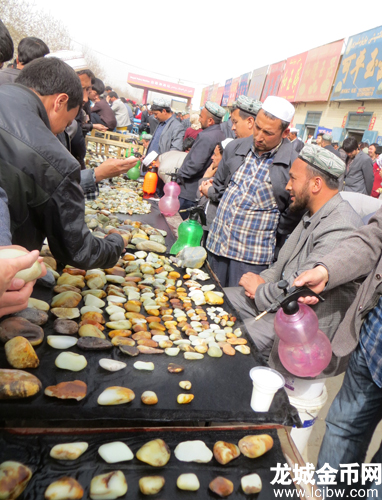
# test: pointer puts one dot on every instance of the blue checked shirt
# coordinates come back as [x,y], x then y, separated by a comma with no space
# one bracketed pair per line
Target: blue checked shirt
[246,221]
[371,342]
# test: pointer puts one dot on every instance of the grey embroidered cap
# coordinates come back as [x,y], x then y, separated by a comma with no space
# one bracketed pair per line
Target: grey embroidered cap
[164,103]
[327,137]
[323,160]
[215,109]
[251,106]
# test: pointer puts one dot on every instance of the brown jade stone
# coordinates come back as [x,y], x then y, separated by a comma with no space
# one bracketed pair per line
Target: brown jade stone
[20,327]
[92,322]
[129,350]
[67,390]
[173,368]
[93,344]
[119,333]
[95,316]
[74,272]
[65,326]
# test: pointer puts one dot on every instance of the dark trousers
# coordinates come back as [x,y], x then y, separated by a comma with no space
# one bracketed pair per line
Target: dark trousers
[95,118]
[229,271]
[185,204]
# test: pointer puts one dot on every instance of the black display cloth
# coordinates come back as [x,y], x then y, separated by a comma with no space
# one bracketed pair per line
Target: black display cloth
[221,386]
[33,451]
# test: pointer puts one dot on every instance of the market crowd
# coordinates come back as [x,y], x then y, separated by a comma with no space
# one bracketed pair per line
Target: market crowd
[276,208]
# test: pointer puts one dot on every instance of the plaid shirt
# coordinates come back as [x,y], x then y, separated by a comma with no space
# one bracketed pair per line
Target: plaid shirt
[94,194]
[371,342]
[246,221]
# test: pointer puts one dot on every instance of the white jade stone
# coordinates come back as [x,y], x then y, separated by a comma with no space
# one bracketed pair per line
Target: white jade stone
[251,484]
[188,482]
[111,278]
[61,342]
[140,255]
[115,452]
[111,365]
[116,299]
[118,316]
[220,337]
[207,288]
[182,342]
[29,274]
[114,309]
[159,338]
[71,361]
[133,295]
[87,309]
[193,451]
[68,451]
[104,487]
[144,365]
[92,300]
[193,355]
[172,351]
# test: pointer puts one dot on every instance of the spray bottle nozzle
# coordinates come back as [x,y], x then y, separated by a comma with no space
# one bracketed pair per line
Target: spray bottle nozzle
[196,213]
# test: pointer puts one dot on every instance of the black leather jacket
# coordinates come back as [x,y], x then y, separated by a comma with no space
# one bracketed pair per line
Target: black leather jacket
[42,182]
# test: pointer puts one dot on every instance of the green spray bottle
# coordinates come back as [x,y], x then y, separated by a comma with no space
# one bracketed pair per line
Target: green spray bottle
[190,232]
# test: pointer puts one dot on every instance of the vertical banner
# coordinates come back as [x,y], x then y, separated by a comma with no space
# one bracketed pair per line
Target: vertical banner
[232,93]
[204,96]
[319,72]
[214,93]
[360,72]
[272,82]
[243,85]
[257,82]
[227,88]
[209,93]
[219,95]
[292,76]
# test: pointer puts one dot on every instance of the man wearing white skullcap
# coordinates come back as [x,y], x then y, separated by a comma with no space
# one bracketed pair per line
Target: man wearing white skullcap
[297,143]
[253,216]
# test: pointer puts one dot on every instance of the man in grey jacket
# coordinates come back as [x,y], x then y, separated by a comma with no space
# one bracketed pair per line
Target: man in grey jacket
[169,133]
[313,186]
[357,408]
[359,176]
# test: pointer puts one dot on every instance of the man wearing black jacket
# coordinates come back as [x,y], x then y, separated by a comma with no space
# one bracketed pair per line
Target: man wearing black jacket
[40,177]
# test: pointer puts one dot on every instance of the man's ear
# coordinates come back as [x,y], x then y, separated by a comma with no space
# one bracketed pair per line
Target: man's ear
[60,102]
[286,133]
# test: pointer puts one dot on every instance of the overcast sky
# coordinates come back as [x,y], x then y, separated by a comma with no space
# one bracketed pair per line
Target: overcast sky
[203,42]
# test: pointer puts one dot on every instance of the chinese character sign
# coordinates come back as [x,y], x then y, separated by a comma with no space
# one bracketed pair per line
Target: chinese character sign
[292,76]
[232,92]
[214,93]
[272,82]
[227,88]
[209,92]
[257,82]
[219,95]
[204,96]
[142,81]
[243,85]
[360,72]
[319,72]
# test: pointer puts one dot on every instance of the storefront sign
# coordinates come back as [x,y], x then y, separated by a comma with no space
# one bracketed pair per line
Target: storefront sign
[319,72]
[361,109]
[257,82]
[232,93]
[379,140]
[360,72]
[292,76]
[214,93]
[323,130]
[227,88]
[243,85]
[272,82]
[204,96]
[219,95]
[155,84]
[344,121]
[372,122]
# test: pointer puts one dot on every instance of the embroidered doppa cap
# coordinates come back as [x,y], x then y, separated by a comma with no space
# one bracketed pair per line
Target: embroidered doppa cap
[215,109]
[74,59]
[279,107]
[327,137]
[251,106]
[162,103]
[323,160]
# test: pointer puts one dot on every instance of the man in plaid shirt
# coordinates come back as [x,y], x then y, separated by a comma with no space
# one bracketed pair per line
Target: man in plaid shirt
[254,209]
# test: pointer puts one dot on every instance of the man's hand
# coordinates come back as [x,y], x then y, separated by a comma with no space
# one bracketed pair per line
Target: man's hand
[99,126]
[112,167]
[211,171]
[250,282]
[14,293]
[204,186]
[315,279]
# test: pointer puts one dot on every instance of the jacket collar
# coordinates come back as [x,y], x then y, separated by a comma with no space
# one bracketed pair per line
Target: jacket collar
[27,95]
[283,154]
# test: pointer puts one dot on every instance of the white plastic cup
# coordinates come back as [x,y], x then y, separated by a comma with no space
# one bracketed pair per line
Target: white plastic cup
[266,382]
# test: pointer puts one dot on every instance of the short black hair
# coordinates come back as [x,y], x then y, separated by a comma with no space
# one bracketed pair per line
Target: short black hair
[108,88]
[350,144]
[216,119]
[329,180]
[98,86]
[113,94]
[123,100]
[375,144]
[88,73]
[31,48]
[155,107]
[49,76]
[378,150]
[6,44]
[187,143]
[284,124]
[243,114]
[321,134]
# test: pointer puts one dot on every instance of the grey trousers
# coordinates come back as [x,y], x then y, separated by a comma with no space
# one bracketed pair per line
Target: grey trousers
[262,332]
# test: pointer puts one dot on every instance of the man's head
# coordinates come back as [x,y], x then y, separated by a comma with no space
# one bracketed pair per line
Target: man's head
[58,87]
[373,151]
[335,145]
[108,89]
[314,178]
[326,140]
[29,49]
[87,79]
[161,109]
[185,115]
[188,143]
[272,122]
[6,45]
[319,138]
[292,134]
[98,88]
[350,146]
[243,116]
[113,96]
[211,114]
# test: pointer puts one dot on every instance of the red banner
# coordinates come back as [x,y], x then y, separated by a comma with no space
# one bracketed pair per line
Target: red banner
[272,82]
[219,95]
[319,72]
[232,92]
[204,96]
[214,93]
[155,84]
[292,76]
